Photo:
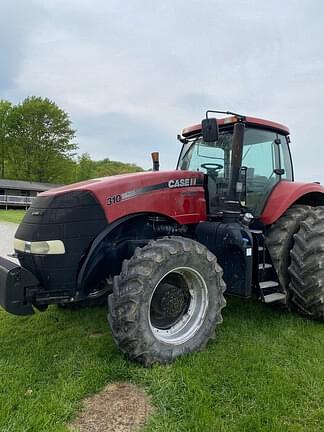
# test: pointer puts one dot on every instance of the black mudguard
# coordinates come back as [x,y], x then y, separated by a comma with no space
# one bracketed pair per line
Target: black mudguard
[232,244]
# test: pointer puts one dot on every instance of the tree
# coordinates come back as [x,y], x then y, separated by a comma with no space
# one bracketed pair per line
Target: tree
[40,140]
[66,171]
[36,145]
[107,167]
[5,108]
[86,167]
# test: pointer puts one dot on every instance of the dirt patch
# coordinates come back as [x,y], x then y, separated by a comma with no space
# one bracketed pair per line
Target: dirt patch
[120,407]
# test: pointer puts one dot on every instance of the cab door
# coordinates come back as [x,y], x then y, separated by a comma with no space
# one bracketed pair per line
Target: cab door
[266,162]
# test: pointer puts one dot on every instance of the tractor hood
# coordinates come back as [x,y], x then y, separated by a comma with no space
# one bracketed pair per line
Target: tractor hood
[176,194]
[64,222]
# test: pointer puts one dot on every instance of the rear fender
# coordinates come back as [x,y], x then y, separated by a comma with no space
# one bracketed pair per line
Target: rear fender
[286,193]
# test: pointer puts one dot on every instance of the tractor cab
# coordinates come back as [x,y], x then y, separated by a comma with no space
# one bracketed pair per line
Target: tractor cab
[243,159]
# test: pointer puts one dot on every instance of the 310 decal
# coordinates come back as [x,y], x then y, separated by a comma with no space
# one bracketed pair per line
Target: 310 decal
[114,199]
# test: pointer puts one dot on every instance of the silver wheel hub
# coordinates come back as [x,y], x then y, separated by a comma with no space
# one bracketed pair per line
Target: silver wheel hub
[178,305]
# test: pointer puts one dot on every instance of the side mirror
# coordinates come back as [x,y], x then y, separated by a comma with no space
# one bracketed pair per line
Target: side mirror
[209,129]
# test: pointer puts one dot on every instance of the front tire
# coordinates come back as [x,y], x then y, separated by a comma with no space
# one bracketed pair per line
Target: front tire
[167,300]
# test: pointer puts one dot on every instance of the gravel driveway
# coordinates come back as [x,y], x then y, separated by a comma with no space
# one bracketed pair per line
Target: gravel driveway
[7,233]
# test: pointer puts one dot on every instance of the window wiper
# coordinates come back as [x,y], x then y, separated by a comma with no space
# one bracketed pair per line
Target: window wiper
[246,153]
[189,148]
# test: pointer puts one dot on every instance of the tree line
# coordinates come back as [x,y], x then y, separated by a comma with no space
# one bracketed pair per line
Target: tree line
[37,144]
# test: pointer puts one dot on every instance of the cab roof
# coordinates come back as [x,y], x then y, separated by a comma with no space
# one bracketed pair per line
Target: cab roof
[252,121]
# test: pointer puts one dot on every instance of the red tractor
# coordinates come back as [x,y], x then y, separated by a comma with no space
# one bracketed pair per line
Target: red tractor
[165,246]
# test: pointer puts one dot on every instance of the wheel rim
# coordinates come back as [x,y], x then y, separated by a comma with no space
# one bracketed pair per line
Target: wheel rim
[178,305]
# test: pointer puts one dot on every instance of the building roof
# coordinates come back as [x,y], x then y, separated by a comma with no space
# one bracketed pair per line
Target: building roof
[25,185]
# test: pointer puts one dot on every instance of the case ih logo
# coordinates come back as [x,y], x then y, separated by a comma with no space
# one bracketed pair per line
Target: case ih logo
[171,184]
[184,182]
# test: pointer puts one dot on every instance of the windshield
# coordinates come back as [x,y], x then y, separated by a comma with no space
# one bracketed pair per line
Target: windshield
[200,156]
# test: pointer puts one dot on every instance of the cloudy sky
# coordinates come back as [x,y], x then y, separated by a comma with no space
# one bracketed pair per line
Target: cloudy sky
[133,73]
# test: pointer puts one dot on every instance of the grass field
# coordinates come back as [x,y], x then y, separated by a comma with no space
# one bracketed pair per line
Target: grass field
[11,215]
[264,372]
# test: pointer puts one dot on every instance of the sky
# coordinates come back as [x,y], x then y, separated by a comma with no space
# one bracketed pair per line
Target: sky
[132,74]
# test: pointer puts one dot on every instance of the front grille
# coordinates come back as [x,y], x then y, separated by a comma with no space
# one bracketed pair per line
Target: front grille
[76,218]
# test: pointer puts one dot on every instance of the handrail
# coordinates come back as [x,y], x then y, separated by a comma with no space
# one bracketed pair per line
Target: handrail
[8,200]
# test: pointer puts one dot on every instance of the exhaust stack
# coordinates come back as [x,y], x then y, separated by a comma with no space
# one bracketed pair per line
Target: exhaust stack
[156,161]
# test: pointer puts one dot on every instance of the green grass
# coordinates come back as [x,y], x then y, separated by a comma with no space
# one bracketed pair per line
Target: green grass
[12,215]
[263,372]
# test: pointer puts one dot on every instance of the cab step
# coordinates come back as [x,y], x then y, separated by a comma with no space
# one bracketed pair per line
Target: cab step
[264,266]
[268,284]
[275,297]
[255,231]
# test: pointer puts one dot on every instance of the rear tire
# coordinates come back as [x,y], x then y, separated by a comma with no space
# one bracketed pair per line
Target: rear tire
[167,300]
[280,240]
[307,266]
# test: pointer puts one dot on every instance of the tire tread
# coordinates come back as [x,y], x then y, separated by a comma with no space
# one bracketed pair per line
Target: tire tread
[307,266]
[129,293]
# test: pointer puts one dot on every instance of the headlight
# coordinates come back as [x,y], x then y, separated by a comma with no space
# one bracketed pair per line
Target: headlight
[50,247]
